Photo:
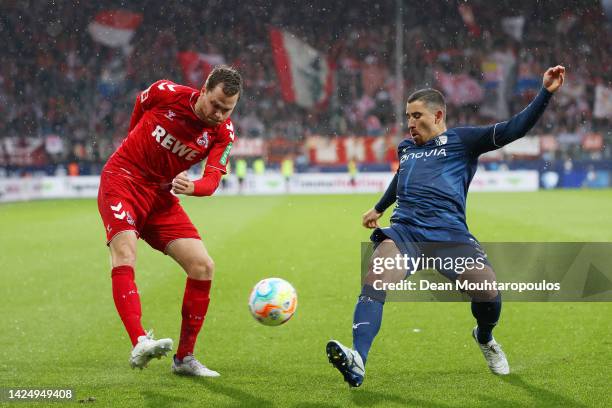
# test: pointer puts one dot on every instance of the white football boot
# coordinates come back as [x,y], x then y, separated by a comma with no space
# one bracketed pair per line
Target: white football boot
[347,361]
[192,367]
[148,348]
[492,352]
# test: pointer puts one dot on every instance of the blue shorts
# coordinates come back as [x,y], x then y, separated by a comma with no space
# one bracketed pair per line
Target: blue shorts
[414,242]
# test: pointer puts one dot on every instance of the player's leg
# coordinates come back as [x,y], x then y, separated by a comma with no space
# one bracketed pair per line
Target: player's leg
[486,303]
[119,218]
[127,301]
[199,267]
[486,300]
[191,254]
[486,309]
[121,222]
[125,293]
[367,317]
[169,230]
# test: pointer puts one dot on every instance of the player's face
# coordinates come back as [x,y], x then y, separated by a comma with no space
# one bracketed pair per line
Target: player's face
[423,122]
[216,106]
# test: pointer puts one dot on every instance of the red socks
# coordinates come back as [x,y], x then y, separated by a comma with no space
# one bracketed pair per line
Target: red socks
[127,301]
[195,306]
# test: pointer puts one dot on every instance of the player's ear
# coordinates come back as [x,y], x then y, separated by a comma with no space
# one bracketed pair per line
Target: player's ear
[439,117]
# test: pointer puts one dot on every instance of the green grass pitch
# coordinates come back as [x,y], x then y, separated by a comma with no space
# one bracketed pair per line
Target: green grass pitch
[60,329]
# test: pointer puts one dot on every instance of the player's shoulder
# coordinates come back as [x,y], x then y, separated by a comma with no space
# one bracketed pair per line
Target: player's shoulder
[169,85]
[165,88]
[466,130]
[451,135]
[405,144]
[463,134]
[454,132]
[164,93]
[226,130]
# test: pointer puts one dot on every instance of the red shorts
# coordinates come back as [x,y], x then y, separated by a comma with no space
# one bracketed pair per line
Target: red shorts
[154,214]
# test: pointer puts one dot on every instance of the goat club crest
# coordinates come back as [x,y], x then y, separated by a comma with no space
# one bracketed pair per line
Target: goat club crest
[203,140]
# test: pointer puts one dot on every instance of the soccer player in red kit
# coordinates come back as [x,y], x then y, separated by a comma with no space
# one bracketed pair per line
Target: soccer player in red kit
[173,127]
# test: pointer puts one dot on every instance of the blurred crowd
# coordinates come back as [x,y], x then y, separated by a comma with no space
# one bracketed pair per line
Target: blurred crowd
[58,84]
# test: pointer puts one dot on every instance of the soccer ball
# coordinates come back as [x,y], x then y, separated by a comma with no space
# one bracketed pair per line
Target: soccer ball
[273,301]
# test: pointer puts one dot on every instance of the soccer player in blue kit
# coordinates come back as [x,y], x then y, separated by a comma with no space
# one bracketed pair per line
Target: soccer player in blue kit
[430,187]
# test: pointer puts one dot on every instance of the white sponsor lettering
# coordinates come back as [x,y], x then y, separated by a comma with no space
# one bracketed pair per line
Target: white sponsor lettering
[158,133]
[432,153]
[168,141]
[180,149]
[172,144]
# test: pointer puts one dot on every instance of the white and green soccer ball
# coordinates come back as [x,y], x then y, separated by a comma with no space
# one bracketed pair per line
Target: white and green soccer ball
[273,301]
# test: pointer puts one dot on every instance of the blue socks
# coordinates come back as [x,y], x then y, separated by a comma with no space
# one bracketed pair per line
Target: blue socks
[367,319]
[369,310]
[487,315]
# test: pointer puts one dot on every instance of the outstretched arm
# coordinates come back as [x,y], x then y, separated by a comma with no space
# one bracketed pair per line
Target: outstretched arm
[370,218]
[487,138]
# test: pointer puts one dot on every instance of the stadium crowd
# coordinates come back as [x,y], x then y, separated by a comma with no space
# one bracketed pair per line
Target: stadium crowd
[58,84]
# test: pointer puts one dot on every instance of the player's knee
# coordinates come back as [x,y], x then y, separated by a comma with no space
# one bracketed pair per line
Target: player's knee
[123,254]
[484,295]
[201,268]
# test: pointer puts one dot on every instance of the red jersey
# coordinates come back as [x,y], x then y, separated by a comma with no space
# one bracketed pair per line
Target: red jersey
[166,137]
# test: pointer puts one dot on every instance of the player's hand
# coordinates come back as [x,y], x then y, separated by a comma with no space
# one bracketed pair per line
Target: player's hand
[370,219]
[553,78]
[182,185]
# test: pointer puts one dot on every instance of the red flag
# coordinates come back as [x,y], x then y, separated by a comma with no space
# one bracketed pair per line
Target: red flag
[114,28]
[468,18]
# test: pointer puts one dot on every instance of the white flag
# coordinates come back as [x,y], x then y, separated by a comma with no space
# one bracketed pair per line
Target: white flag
[603,102]
[305,74]
[513,26]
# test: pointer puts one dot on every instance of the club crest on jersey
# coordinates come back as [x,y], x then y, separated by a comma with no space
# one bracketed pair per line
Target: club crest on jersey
[170,115]
[203,140]
[441,140]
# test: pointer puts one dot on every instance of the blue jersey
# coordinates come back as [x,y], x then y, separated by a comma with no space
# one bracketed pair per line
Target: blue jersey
[433,179]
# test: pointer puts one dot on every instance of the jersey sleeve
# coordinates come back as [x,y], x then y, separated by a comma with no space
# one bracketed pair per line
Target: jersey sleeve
[208,184]
[136,114]
[219,153]
[483,139]
[388,197]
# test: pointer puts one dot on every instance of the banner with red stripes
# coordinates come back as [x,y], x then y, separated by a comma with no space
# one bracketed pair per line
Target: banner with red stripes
[305,74]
